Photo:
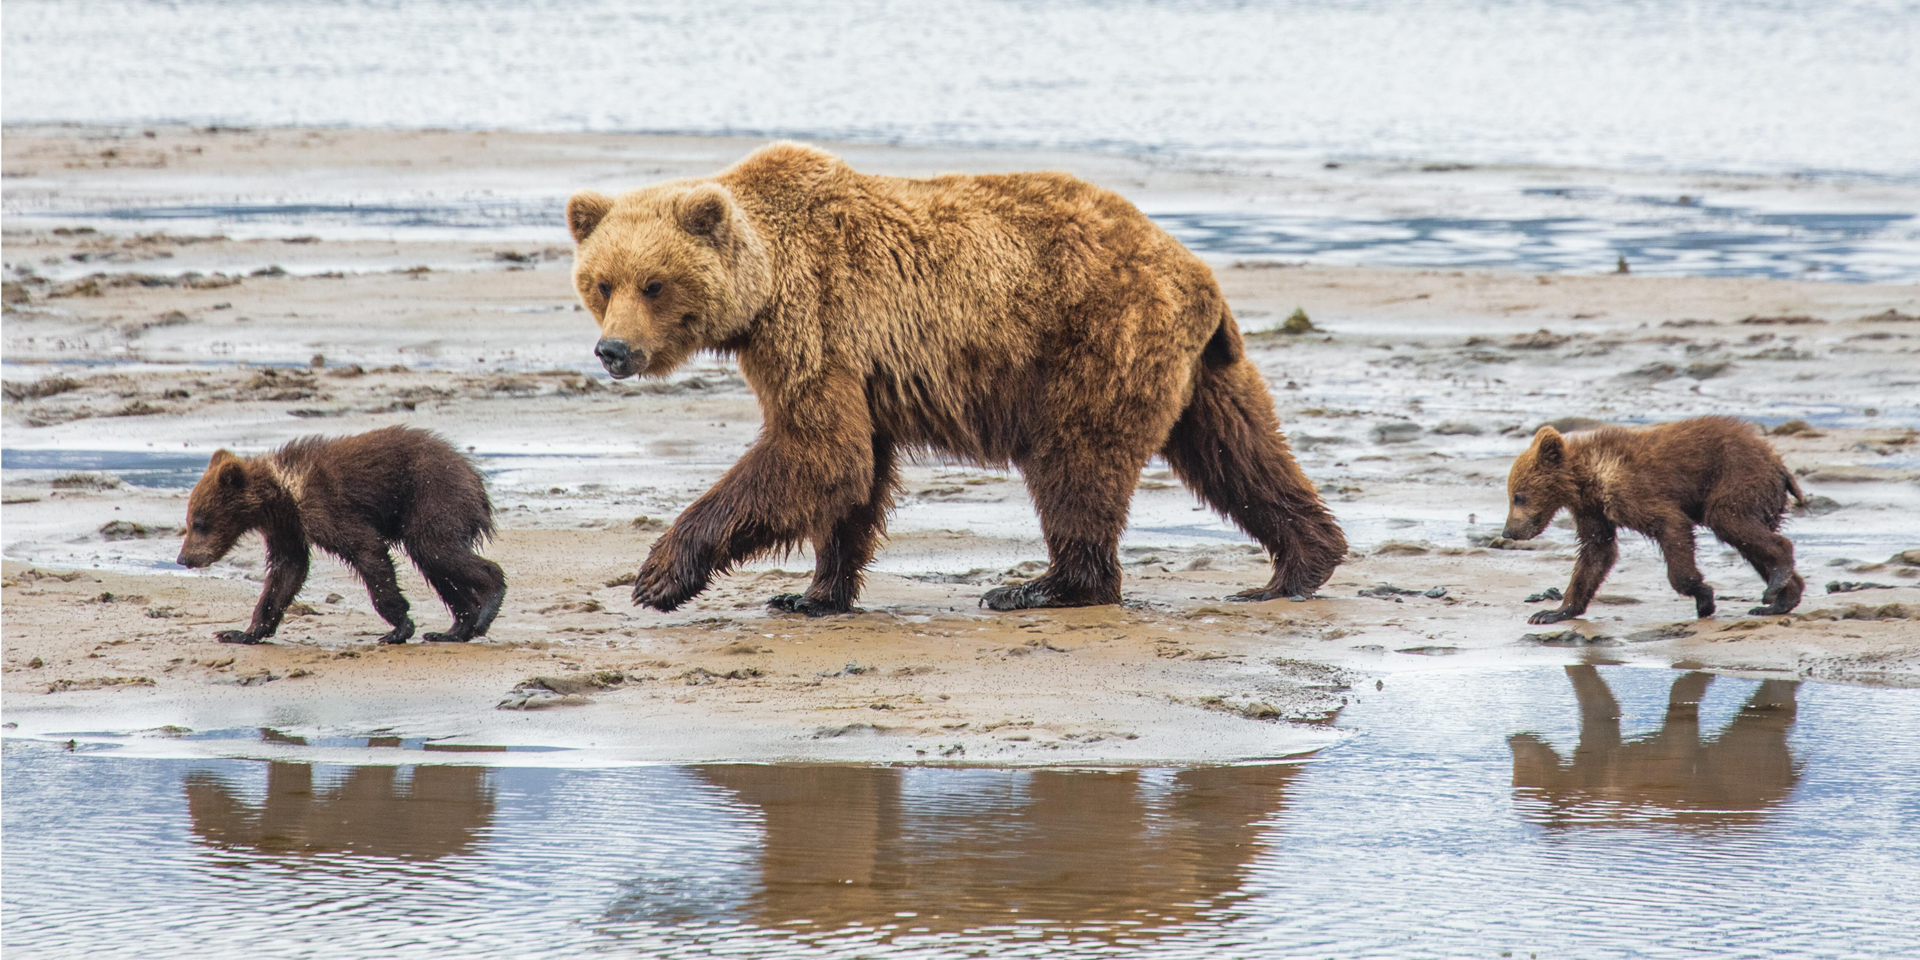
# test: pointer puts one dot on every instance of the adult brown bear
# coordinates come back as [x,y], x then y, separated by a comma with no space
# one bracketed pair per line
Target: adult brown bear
[1031,319]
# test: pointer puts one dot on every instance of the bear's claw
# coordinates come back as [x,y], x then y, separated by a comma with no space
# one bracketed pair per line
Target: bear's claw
[1550,616]
[238,636]
[1044,591]
[801,603]
[399,635]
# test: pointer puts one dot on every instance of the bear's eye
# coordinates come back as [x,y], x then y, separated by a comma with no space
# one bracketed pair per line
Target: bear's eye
[653,289]
[606,290]
[199,526]
[1519,499]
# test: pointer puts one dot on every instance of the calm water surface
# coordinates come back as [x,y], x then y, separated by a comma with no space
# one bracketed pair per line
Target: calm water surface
[1586,811]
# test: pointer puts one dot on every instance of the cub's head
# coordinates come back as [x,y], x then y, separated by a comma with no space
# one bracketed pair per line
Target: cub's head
[1540,484]
[667,271]
[218,512]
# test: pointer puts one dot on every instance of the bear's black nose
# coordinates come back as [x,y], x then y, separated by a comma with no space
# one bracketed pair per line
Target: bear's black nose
[613,355]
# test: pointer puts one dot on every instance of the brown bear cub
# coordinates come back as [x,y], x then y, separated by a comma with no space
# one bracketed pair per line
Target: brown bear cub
[352,497]
[1027,319]
[1661,481]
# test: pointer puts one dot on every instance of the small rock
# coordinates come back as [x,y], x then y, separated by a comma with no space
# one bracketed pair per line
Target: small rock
[1503,543]
[1819,506]
[1672,631]
[1852,586]
[1403,548]
[1564,638]
[1395,431]
[1454,428]
[1796,428]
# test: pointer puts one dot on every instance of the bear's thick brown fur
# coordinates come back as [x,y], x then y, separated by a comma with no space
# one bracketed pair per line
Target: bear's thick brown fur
[1661,481]
[1030,319]
[352,497]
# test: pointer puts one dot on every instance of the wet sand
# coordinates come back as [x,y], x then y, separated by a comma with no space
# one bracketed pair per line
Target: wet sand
[1406,406]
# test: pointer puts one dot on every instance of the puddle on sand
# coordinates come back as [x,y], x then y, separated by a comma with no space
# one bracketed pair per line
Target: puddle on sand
[1585,811]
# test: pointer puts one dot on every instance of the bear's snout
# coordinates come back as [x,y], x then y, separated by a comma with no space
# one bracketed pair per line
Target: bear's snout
[616,356]
[188,561]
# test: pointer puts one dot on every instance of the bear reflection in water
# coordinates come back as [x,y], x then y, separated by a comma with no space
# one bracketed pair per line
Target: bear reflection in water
[1128,849]
[1671,775]
[373,811]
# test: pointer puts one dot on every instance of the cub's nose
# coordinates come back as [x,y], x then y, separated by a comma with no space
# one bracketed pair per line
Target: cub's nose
[613,355]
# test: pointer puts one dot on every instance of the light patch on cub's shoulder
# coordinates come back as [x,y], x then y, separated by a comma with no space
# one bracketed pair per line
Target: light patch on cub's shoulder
[292,479]
[1609,473]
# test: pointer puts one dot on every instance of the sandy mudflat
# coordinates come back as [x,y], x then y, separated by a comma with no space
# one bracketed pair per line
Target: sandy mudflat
[155,346]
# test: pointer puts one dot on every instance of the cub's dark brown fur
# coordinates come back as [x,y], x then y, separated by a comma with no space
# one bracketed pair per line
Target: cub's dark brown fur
[352,497]
[1030,319]
[1662,481]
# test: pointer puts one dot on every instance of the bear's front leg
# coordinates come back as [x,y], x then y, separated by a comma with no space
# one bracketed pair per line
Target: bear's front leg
[797,480]
[287,561]
[1599,547]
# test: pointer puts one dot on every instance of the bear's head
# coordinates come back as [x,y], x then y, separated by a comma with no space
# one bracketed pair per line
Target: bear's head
[219,511]
[1540,483]
[668,270]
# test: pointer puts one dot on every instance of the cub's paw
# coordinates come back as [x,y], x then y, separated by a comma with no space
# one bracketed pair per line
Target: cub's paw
[801,603]
[448,637]
[1550,616]
[238,636]
[400,634]
[1703,609]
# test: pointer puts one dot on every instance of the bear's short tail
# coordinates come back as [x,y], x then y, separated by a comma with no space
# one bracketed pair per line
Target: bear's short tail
[1224,348]
[1793,487]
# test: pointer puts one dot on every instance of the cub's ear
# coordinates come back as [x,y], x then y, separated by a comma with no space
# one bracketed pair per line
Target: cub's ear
[1551,446]
[585,210]
[707,213]
[233,475]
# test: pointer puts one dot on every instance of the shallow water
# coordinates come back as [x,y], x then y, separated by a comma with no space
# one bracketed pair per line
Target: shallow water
[1785,86]
[1593,811]
[1658,236]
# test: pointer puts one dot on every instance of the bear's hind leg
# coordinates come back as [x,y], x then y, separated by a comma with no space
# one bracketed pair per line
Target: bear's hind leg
[1771,556]
[842,555]
[1228,449]
[471,586]
[1082,493]
[1675,536]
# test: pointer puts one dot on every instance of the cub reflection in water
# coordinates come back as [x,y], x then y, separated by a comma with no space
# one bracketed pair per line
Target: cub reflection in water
[371,812]
[847,844]
[1670,775]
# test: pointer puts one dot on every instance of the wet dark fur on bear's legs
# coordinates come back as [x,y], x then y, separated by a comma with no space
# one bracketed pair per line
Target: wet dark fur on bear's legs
[1662,481]
[1030,319]
[353,497]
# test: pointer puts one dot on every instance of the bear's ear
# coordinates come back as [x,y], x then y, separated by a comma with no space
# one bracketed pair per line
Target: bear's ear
[585,210]
[1551,446]
[707,213]
[233,474]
